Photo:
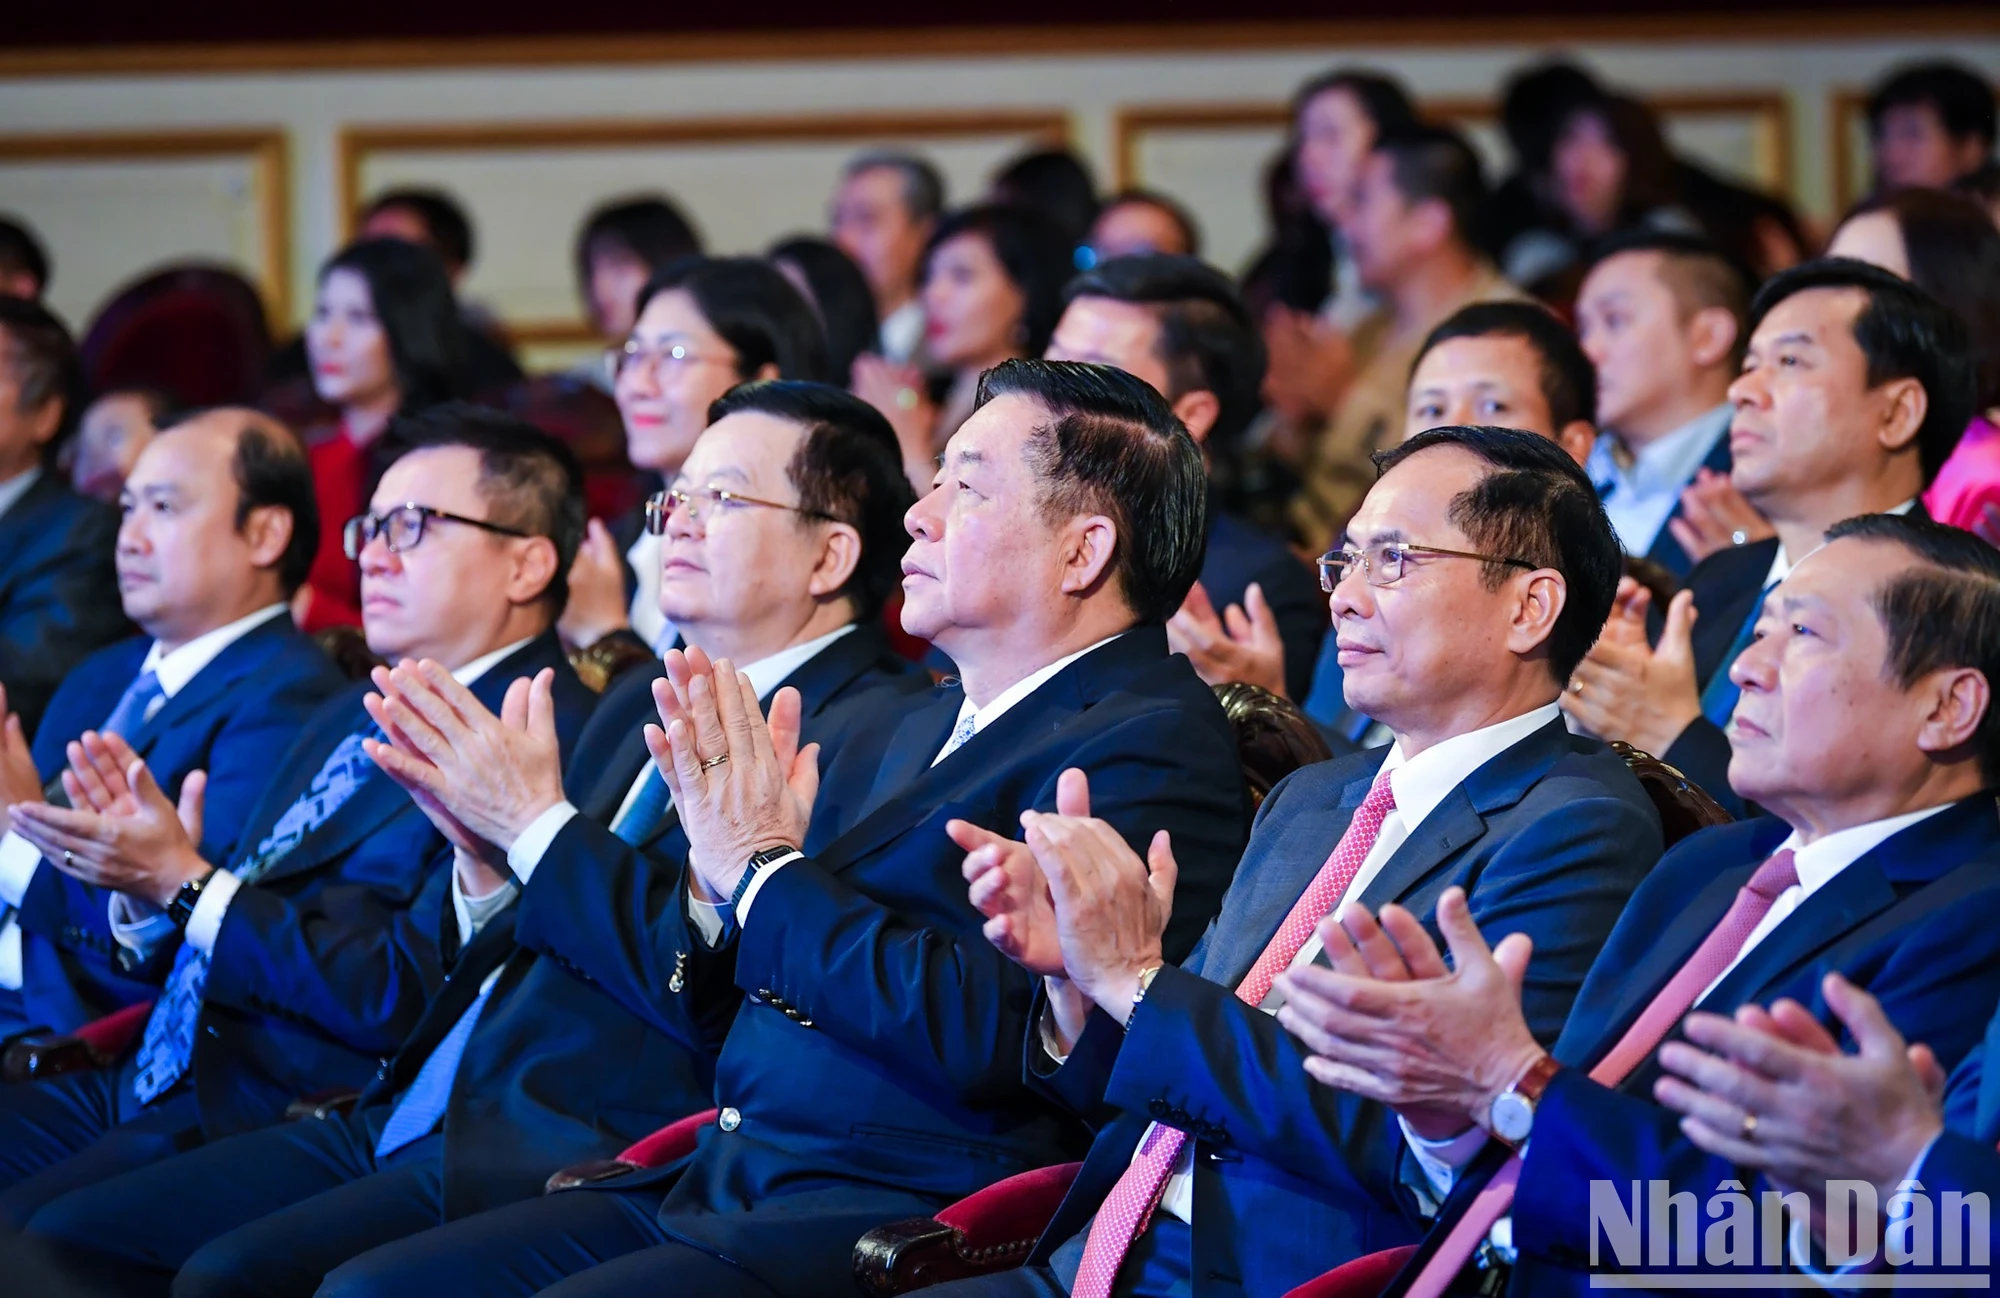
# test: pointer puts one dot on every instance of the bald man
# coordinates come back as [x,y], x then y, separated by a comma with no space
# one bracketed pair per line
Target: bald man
[219,529]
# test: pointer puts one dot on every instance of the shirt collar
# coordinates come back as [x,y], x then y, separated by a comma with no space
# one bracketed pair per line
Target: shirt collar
[478,667]
[1819,861]
[767,674]
[1423,781]
[1669,463]
[17,486]
[1021,689]
[175,669]
[1782,565]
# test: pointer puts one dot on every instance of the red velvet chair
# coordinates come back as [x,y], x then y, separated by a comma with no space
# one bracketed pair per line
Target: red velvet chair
[992,1230]
[97,1044]
[195,332]
[1364,1277]
[675,1140]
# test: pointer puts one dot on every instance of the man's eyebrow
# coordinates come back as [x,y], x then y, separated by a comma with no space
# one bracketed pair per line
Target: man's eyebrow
[735,474]
[1795,336]
[973,456]
[1387,536]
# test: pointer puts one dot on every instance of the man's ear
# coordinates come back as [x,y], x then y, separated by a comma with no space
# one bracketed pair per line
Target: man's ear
[534,568]
[1430,223]
[1089,544]
[268,533]
[839,556]
[1578,437]
[46,421]
[1540,603]
[1958,699]
[1905,403]
[1711,334]
[1199,411]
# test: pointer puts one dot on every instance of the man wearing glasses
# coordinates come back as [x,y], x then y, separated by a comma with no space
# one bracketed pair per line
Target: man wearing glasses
[303,960]
[1474,576]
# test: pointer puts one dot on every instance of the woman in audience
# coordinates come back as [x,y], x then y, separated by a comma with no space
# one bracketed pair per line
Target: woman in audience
[384,339]
[992,288]
[623,244]
[1945,244]
[838,291]
[704,325]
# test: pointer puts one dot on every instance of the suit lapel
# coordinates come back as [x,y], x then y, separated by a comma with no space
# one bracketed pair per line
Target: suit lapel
[212,682]
[1668,552]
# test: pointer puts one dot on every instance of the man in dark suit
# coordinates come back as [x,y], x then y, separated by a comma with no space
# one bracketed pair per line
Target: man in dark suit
[1220,1167]
[312,955]
[58,589]
[1865,726]
[1855,390]
[1179,324]
[1662,317]
[220,528]
[783,531]
[874,1069]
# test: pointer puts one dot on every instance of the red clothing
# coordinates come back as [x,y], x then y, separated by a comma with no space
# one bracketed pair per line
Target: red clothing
[340,484]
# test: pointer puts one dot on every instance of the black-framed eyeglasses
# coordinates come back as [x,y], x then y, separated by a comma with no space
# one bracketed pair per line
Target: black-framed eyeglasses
[1382,563]
[402,528]
[709,502]
[631,353]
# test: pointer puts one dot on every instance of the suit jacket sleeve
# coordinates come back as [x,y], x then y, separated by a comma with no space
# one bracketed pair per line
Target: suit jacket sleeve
[1195,1048]
[1965,1166]
[357,957]
[65,608]
[1702,754]
[938,996]
[618,916]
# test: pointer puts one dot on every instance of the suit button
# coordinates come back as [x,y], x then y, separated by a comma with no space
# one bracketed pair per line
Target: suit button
[730,1120]
[1158,1108]
[382,1074]
[211,1030]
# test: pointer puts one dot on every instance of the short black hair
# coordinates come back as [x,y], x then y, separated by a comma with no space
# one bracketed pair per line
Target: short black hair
[413,300]
[1943,612]
[47,365]
[1030,249]
[271,469]
[1208,340]
[441,214]
[1536,101]
[755,309]
[1113,446]
[648,226]
[849,467]
[1698,273]
[1537,505]
[22,253]
[1054,182]
[1906,334]
[1567,378]
[1164,203]
[839,294]
[1435,162]
[923,187]
[1953,249]
[1962,99]
[1381,96]
[530,480]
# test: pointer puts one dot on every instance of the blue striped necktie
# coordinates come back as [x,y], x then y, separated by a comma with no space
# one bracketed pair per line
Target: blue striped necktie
[424,1103]
[167,1048]
[134,706]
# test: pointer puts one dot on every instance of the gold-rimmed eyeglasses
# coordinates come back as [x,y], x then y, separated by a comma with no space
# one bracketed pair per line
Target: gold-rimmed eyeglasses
[708,502]
[1382,563]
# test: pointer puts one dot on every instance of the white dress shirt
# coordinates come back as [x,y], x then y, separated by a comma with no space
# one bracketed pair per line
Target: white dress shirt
[18,858]
[1640,490]
[766,675]
[648,623]
[1007,698]
[1419,783]
[205,920]
[1818,864]
[16,487]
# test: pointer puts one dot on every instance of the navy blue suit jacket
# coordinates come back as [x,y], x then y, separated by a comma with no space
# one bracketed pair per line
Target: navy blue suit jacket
[558,1071]
[1549,838]
[246,704]
[324,964]
[1916,921]
[876,1062]
[1239,554]
[58,590]
[1965,1159]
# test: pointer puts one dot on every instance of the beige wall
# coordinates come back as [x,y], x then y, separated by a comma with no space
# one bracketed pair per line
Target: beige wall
[258,168]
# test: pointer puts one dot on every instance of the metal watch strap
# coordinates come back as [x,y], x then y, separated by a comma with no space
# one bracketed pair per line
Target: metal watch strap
[181,909]
[758,860]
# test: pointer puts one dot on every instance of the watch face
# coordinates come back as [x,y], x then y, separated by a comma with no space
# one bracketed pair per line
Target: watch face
[1513,1117]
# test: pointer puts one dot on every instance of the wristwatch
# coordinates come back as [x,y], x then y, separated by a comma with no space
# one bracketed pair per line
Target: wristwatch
[758,862]
[181,909]
[1512,1115]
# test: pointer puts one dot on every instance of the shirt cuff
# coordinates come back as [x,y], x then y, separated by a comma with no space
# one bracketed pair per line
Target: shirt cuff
[138,926]
[1441,1159]
[18,862]
[710,919]
[757,885]
[533,844]
[10,953]
[1046,1026]
[205,923]
[472,913]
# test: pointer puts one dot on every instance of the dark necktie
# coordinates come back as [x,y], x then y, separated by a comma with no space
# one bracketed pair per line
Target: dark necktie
[134,706]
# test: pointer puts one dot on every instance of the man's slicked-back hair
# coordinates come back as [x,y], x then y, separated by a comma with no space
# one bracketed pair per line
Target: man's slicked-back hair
[755,309]
[1567,378]
[1906,334]
[48,366]
[1431,162]
[1698,273]
[1537,505]
[271,469]
[1113,446]
[1943,612]
[849,467]
[530,480]
[1208,340]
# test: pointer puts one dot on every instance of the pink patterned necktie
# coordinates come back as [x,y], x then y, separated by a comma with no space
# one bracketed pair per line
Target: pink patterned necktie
[1129,1207]
[1715,954]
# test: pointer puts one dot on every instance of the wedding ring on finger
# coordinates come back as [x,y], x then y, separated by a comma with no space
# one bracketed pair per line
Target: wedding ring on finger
[1749,1126]
[69,857]
[709,763]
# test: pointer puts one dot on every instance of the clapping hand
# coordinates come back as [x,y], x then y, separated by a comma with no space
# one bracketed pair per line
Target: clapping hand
[120,830]
[1714,515]
[1243,644]
[1625,689]
[19,780]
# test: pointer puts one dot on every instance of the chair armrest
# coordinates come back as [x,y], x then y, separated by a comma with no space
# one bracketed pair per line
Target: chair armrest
[992,1230]
[673,1141]
[1364,1277]
[99,1043]
[321,1105]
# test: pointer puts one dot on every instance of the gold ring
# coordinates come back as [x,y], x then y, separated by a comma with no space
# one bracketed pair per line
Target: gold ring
[1576,687]
[710,762]
[1749,1126]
